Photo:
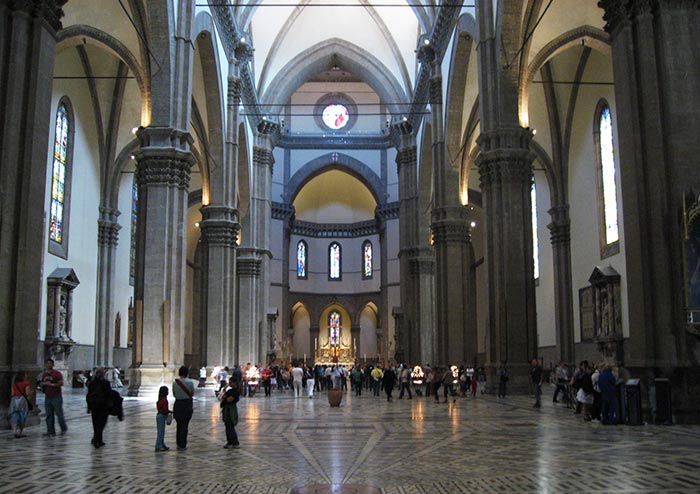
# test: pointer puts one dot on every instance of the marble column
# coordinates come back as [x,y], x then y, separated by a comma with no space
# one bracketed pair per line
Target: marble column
[254,258]
[656,70]
[560,233]
[455,330]
[27,52]
[107,240]
[163,168]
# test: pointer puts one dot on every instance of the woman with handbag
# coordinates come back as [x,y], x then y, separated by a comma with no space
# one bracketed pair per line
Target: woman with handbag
[164,417]
[20,405]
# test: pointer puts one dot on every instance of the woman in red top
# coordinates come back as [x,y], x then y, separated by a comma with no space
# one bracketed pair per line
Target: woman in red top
[19,406]
[161,418]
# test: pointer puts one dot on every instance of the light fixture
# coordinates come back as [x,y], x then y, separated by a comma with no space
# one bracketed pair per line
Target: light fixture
[534,132]
[196,224]
[426,41]
[134,130]
[243,39]
[472,224]
[133,157]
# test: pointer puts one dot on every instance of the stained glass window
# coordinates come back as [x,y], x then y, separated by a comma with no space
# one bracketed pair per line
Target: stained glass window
[301,259]
[58,175]
[367,259]
[334,328]
[334,261]
[335,116]
[134,216]
[535,243]
[607,163]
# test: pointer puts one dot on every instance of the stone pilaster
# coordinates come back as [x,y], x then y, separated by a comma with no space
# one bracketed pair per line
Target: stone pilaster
[163,168]
[27,52]
[505,170]
[422,273]
[107,240]
[560,234]
[655,67]
[220,230]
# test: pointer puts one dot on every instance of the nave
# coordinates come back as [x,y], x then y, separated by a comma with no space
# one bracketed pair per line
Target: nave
[368,445]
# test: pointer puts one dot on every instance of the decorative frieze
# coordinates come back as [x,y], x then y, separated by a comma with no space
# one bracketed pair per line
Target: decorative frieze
[335,230]
[388,211]
[282,211]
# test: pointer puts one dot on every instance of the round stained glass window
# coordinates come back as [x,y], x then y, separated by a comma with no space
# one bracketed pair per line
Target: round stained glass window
[336,116]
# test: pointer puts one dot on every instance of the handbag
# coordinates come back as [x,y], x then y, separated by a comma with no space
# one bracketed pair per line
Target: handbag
[169,419]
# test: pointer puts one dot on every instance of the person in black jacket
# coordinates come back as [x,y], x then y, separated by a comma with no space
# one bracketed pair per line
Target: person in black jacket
[388,382]
[99,402]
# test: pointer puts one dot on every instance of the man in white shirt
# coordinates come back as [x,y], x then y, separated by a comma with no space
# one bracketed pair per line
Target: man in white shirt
[297,375]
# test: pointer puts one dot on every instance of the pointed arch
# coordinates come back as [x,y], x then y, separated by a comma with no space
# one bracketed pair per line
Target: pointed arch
[318,58]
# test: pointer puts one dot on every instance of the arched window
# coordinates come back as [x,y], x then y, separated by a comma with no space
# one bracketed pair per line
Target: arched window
[134,217]
[334,262]
[367,260]
[334,328]
[60,181]
[302,250]
[535,242]
[606,171]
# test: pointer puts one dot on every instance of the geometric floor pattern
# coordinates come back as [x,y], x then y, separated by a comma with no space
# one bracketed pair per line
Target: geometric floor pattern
[289,446]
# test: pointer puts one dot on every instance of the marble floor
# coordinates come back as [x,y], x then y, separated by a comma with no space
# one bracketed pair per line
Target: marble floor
[299,446]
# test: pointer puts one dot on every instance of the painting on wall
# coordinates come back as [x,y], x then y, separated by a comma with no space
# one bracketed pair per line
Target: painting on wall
[691,259]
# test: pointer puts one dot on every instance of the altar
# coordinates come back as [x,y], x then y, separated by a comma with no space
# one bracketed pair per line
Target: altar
[335,346]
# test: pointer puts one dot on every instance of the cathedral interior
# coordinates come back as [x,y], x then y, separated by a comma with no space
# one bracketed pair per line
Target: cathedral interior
[189,182]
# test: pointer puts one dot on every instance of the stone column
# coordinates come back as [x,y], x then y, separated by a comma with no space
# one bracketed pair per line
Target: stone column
[455,330]
[27,52]
[423,280]
[560,232]
[107,240]
[505,170]
[408,342]
[657,105]
[163,170]
[254,274]
[220,229]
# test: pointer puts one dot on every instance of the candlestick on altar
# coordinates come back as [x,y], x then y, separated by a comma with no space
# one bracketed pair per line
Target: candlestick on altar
[354,343]
[304,358]
[315,343]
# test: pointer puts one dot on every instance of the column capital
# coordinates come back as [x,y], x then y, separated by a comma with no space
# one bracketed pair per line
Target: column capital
[450,224]
[164,157]
[560,227]
[505,156]
[435,90]
[219,225]
[422,265]
[51,11]
[107,227]
[619,12]
[234,90]
[248,267]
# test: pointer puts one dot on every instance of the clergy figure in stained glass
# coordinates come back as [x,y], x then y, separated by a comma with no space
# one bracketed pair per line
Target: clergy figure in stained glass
[301,259]
[58,175]
[367,257]
[334,261]
[334,329]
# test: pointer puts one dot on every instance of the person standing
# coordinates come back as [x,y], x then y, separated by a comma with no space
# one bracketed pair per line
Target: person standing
[202,377]
[162,417]
[51,383]
[297,376]
[267,380]
[20,404]
[357,379]
[405,382]
[229,413]
[388,381]
[606,384]
[183,391]
[502,380]
[99,403]
[310,381]
[376,376]
[116,377]
[536,376]
[562,377]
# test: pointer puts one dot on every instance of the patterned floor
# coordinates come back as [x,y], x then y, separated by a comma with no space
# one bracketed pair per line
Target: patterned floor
[481,445]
